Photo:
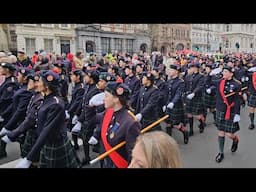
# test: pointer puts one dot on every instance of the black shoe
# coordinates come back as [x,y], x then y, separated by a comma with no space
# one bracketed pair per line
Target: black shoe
[251,126]
[186,138]
[234,146]
[219,157]
[201,128]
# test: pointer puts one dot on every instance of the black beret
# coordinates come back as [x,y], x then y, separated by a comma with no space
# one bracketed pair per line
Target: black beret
[59,65]
[106,77]
[9,66]
[230,69]
[24,71]
[194,64]
[132,67]
[149,76]
[175,66]
[94,74]
[50,77]
[118,89]
[77,72]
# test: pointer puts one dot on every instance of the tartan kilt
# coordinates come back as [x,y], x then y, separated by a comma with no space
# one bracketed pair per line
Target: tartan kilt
[226,125]
[209,101]
[86,130]
[195,106]
[176,115]
[252,101]
[58,155]
[30,140]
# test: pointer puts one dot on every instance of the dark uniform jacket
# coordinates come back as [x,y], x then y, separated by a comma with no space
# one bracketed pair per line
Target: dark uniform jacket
[134,85]
[175,91]
[229,87]
[51,126]
[31,116]
[160,83]
[7,89]
[122,128]
[77,96]
[194,83]
[209,84]
[18,108]
[147,102]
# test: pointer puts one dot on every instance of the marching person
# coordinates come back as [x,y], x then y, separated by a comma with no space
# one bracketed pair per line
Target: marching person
[28,126]
[227,110]
[117,126]
[52,143]
[146,109]
[16,112]
[174,104]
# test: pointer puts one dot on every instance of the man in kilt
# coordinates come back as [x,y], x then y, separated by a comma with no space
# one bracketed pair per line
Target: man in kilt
[194,84]
[174,104]
[28,126]
[209,94]
[52,143]
[227,110]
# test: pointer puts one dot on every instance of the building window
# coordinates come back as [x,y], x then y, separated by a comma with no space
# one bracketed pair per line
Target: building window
[30,46]
[227,44]
[30,24]
[48,45]
[105,44]
[48,25]
[129,45]
[118,44]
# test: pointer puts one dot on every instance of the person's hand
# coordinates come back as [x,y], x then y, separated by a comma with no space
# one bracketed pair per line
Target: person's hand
[6,139]
[67,114]
[139,117]
[93,141]
[3,132]
[77,127]
[74,120]
[24,163]
[170,105]
[208,91]
[164,108]
[190,96]
[236,118]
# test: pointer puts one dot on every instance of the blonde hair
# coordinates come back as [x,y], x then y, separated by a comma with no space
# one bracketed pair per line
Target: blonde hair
[160,149]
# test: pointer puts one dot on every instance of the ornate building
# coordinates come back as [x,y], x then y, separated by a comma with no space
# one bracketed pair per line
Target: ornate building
[170,37]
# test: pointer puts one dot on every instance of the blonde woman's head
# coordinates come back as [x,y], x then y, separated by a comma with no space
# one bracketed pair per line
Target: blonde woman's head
[155,149]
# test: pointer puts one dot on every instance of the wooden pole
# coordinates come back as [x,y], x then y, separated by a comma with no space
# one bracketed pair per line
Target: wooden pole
[230,94]
[102,156]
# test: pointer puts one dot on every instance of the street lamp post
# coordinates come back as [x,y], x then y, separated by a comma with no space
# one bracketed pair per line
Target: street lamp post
[208,43]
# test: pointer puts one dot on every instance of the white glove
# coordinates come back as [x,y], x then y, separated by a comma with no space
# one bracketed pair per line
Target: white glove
[93,141]
[24,163]
[236,118]
[208,91]
[164,108]
[170,105]
[244,96]
[74,120]
[252,69]
[190,96]
[77,127]
[4,131]
[67,114]
[97,100]
[6,139]
[1,119]
[215,71]
[138,117]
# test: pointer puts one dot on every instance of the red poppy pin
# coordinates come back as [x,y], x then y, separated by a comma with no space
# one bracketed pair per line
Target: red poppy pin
[120,91]
[49,78]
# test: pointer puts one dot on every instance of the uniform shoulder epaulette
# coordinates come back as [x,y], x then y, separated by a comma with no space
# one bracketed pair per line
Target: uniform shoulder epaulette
[82,85]
[155,86]
[57,100]
[12,80]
